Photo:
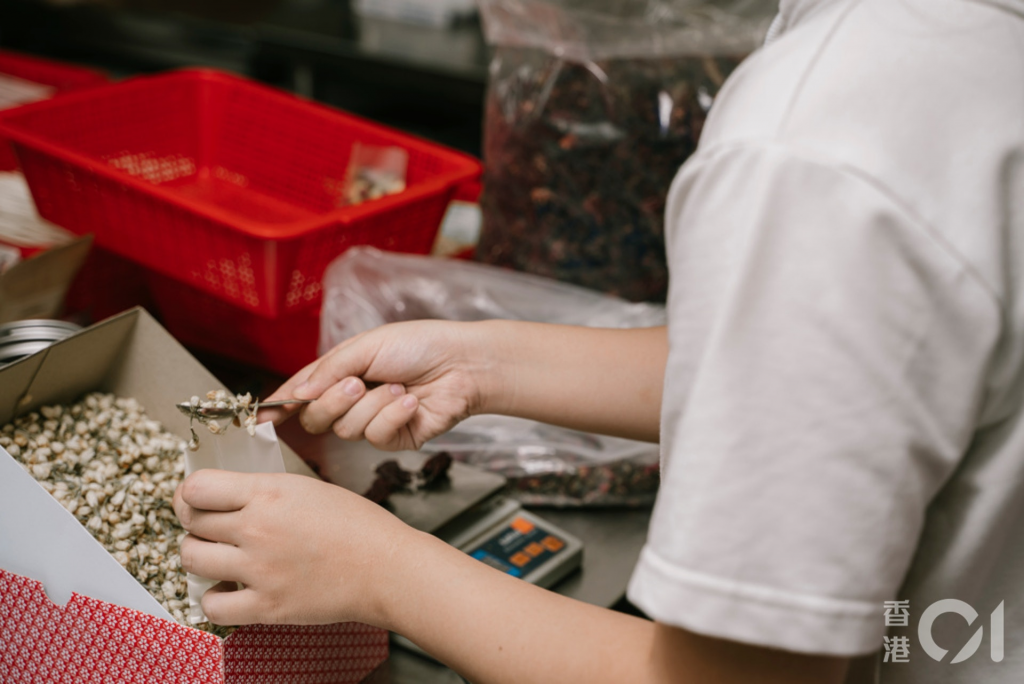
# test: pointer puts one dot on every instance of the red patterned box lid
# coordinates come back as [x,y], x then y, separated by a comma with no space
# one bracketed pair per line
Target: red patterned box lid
[94,642]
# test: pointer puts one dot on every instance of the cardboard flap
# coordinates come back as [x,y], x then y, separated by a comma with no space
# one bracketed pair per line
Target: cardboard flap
[75,365]
[65,558]
[35,288]
[155,369]
[17,377]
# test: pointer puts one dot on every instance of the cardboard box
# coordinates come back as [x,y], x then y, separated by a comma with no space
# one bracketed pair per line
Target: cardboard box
[42,259]
[36,287]
[68,611]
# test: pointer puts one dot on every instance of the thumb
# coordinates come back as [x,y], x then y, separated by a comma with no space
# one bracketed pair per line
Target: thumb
[351,358]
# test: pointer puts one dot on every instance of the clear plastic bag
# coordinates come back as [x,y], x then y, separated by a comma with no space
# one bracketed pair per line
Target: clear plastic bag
[9,256]
[365,288]
[553,466]
[373,172]
[592,107]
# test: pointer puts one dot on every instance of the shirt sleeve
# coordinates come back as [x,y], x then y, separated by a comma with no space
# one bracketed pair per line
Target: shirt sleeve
[826,369]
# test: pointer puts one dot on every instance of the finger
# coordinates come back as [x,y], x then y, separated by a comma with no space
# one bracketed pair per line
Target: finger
[348,359]
[226,604]
[214,490]
[278,415]
[352,425]
[318,417]
[215,526]
[389,428]
[212,560]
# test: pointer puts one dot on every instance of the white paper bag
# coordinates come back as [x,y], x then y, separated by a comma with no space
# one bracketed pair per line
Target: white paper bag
[232,450]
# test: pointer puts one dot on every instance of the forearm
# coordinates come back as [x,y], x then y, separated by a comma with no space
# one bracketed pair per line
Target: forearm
[268,532]
[493,628]
[592,379]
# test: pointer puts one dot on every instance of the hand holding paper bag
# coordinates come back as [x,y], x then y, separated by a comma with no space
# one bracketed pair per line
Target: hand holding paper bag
[236,451]
[306,551]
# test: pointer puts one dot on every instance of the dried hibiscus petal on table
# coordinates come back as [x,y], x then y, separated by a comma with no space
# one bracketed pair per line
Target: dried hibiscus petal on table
[392,477]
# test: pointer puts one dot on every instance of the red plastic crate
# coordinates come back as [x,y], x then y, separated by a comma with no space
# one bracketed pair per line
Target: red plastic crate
[61,77]
[283,344]
[229,186]
[107,284]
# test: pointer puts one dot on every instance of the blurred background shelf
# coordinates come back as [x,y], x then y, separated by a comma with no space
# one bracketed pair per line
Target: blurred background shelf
[423,79]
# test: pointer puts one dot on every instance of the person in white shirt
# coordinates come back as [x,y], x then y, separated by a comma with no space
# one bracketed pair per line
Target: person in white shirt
[838,397]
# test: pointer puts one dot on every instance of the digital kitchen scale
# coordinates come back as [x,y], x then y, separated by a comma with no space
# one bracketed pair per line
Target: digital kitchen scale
[517,542]
[500,533]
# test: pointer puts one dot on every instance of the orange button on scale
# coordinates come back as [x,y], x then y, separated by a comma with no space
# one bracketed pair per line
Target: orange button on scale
[520,559]
[534,549]
[553,544]
[522,525]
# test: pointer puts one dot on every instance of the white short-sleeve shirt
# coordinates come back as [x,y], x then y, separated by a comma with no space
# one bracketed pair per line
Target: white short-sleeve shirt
[842,422]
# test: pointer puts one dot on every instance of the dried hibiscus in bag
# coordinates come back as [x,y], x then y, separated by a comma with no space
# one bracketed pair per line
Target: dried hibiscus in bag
[591,110]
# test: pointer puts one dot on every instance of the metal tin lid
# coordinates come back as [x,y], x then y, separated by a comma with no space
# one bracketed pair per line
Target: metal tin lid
[23,338]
